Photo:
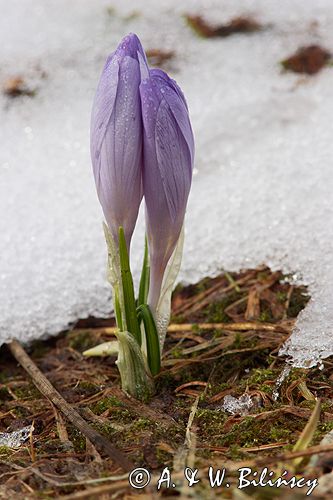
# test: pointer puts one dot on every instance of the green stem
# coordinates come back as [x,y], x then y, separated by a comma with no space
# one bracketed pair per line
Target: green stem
[152,339]
[128,289]
[144,280]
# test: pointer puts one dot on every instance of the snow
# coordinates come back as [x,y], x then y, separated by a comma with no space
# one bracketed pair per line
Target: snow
[262,187]
[237,406]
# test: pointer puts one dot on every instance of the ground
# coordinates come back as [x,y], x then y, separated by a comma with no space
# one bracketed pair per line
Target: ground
[224,340]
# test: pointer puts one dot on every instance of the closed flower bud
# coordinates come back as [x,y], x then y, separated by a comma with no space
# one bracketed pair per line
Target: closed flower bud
[116,137]
[168,152]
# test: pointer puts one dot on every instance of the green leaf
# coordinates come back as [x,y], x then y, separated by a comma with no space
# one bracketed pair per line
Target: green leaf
[152,339]
[308,432]
[128,289]
[144,280]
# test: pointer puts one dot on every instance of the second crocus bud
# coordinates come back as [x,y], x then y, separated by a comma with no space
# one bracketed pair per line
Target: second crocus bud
[116,137]
[168,153]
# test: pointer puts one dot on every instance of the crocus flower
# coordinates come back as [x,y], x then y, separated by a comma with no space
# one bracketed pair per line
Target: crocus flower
[168,152]
[116,137]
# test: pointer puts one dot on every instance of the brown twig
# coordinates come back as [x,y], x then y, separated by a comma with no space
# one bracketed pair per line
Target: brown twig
[314,450]
[46,388]
[188,327]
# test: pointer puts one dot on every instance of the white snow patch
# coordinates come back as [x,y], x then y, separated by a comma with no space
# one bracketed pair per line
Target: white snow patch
[262,192]
[237,406]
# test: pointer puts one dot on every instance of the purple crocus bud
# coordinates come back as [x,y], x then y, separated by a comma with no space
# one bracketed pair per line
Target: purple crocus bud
[116,136]
[168,153]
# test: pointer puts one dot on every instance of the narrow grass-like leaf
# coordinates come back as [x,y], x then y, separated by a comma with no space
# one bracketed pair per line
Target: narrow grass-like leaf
[144,280]
[128,289]
[102,350]
[307,434]
[152,339]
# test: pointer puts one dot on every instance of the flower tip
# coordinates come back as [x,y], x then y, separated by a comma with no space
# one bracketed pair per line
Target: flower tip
[130,45]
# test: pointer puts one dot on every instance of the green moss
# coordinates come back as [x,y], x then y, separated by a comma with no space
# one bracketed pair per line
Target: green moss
[163,457]
[234,453]
[142,424]
[279,434]
[215,312]
[177,352]
[263,275]
[294,374]
[28,391]
[281,296]
[252,432]
[106,404]
[106,429]
[257,380]
[327,406]
[322,429]
[307,404]
[244,434]
[210,423]
[78,439]
[237,342]
[266,316]
[6,452]
[260,375]
[137,431]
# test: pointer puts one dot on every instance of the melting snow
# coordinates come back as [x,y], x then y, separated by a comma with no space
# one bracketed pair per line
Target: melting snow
[262,192]
[240,406]
[16,438]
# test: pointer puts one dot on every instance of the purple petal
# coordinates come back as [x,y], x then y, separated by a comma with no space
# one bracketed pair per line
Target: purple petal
[168,155]
[172,92]
[130,45]
[159,73]
[180,114]
[173,160]
[167,171]
[116,143]
[103,106]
